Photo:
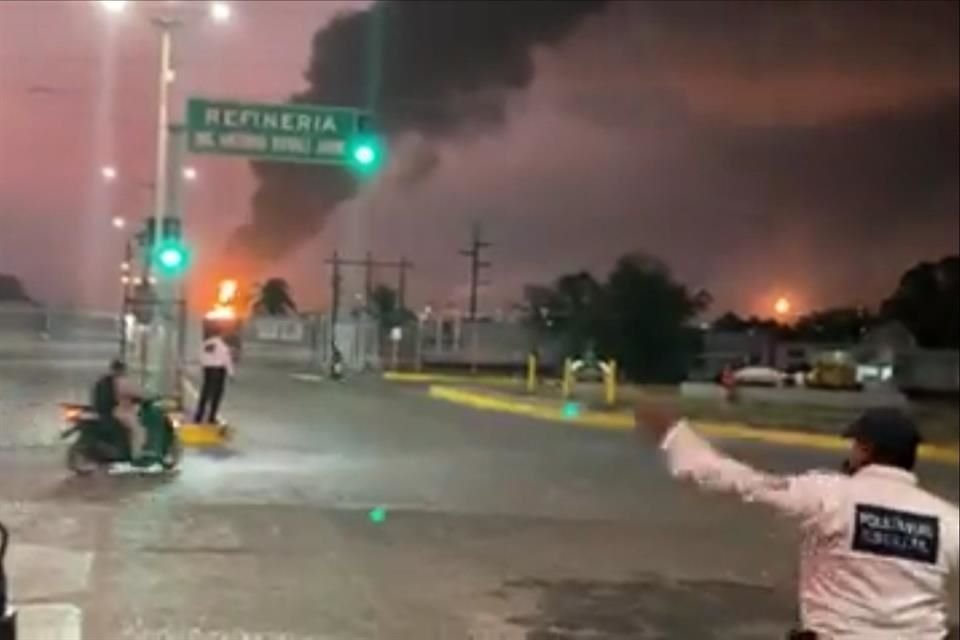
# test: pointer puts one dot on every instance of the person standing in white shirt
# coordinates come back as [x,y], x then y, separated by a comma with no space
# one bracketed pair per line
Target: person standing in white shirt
[877,551]
[217,362]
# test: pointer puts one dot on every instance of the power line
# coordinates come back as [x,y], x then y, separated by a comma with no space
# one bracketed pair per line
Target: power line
[477,245]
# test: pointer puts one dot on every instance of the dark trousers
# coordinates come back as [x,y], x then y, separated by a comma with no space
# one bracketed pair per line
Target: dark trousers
[211,393]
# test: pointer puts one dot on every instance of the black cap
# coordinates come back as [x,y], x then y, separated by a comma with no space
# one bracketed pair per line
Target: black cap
[889,430]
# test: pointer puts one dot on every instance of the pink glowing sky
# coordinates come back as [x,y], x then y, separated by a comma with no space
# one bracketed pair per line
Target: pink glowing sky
[808,152]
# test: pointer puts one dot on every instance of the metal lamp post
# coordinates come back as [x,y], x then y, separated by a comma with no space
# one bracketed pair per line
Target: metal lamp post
[160,374]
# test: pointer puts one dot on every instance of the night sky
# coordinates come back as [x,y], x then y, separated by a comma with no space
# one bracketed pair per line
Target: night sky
[761,149]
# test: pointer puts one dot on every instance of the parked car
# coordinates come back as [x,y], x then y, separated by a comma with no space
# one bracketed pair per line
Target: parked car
[759,377]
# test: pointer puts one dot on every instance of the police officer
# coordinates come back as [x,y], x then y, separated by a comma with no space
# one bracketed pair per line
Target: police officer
[877,550]
[217,362]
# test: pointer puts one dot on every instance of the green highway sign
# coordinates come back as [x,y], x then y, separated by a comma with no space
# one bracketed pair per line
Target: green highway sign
[276,132]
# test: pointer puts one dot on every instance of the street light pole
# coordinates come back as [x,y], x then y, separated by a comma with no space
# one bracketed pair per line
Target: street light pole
[166,26]
[165,204]
[157,342]
[126,269]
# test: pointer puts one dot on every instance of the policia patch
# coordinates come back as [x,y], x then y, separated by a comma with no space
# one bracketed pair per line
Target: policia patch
[896,534]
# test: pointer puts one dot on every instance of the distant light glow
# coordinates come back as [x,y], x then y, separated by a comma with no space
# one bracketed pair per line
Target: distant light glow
[114,6]
[189,173]
[221,312]
[220,11]
[782,306]
[109,173]
[118,222]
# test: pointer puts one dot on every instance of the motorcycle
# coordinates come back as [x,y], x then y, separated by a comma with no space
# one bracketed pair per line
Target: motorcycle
[105,444]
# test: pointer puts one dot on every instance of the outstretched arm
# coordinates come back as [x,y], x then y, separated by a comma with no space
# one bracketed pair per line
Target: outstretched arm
[691,457]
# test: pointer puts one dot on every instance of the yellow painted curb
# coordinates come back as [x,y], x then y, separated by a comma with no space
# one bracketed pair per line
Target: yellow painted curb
[202,435]
[199,435]
[442,378]
[624,421]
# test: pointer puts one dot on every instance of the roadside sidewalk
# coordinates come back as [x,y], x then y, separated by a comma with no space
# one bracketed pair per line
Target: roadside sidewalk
[552,410]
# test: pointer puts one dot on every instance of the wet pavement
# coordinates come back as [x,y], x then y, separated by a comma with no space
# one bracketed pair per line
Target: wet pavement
[363,510]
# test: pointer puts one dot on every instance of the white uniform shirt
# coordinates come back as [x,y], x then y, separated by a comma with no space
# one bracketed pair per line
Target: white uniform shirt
[876,552]
[216,355]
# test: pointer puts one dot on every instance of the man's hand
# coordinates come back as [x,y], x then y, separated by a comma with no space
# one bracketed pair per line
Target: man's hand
[653,420]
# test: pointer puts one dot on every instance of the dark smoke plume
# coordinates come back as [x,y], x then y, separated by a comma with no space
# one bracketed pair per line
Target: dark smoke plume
[429,66]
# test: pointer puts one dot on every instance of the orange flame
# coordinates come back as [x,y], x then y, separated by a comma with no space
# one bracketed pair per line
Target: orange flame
[227,292]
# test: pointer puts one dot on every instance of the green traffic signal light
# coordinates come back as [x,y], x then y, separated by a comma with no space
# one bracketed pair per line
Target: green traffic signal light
[171,258]
[365,154]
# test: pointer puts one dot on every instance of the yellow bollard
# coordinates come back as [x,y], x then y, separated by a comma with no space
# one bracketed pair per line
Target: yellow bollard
[531,373]
[610,383]
[567,383]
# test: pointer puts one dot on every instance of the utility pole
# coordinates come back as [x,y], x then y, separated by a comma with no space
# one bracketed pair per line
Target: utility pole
[477,245]
[402,282]
[369,265]
[335,295]
[367,278]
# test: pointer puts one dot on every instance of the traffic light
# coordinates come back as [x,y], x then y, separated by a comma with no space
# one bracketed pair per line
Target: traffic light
[169,255]
[365,151]
[365,154]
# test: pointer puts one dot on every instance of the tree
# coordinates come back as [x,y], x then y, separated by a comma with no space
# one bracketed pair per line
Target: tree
[840,325]
[274,298]
[384,305]
[927,302]
[640,317]
[647,318]
[730,322]
[11,290]
[569,308]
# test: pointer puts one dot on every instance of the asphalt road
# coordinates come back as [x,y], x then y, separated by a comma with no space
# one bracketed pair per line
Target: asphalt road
[495,527]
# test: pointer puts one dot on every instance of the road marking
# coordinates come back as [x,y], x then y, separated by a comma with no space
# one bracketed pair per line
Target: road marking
[50,622]
[307,377]
[41,572]
[139,632]
[624,422]
[440,378]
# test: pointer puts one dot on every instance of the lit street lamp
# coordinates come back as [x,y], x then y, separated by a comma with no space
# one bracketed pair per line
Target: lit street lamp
[114,6]
[119,223]
[189,174]
[220,11]
[109,173]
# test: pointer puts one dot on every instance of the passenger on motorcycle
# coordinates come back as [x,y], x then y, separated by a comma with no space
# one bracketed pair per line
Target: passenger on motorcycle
[115,399]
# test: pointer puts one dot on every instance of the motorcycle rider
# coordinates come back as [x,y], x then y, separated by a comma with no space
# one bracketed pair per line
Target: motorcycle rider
[877,551]
[115,399]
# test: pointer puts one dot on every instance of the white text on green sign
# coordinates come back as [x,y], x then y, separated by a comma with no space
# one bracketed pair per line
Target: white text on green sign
[284,133]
